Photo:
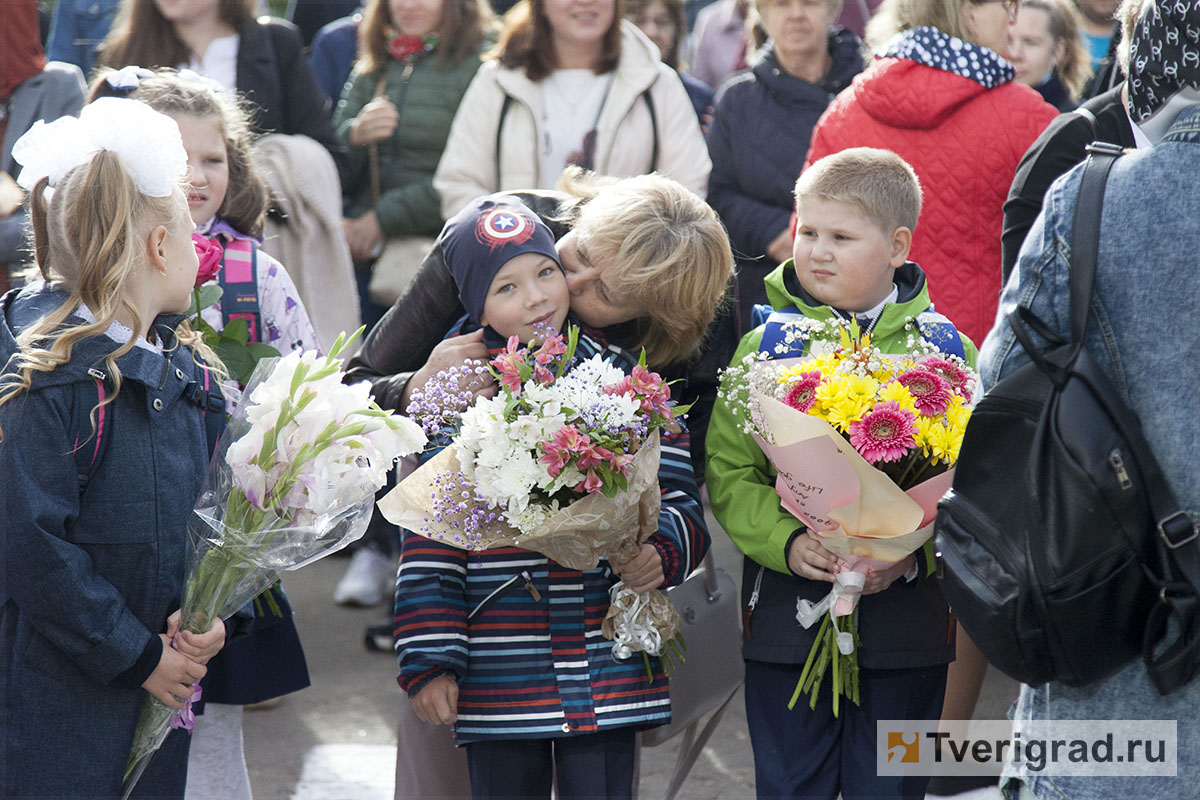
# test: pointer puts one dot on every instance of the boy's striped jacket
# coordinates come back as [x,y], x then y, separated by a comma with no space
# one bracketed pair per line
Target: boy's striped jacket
[521,633]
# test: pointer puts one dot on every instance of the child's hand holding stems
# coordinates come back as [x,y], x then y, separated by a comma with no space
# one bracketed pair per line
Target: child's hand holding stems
[808,558]
[183,660]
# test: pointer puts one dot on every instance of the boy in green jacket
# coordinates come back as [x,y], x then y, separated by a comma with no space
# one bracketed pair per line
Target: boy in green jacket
[857,210]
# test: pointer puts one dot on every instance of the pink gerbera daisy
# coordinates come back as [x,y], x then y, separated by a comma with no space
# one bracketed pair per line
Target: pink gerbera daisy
[930,390]
[955,375]
[803,392]
[885,433]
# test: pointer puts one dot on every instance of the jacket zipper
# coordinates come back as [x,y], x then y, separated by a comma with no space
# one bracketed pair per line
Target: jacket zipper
[753,601]
[528,584]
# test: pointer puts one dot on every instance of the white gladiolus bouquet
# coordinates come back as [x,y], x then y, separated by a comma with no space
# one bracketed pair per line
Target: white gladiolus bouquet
[293,480]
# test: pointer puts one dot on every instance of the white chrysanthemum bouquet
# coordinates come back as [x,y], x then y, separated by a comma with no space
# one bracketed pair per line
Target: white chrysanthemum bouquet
[293,480]
[561,461]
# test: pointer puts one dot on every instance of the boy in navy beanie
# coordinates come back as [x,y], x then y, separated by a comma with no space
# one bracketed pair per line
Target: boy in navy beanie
[509,278]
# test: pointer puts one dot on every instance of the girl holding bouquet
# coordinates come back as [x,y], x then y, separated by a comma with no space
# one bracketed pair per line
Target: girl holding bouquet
[94,549]
[857,210]
[228,202]
[505,644]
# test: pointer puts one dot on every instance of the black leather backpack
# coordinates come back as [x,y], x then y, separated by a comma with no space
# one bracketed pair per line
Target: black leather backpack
[1064,553]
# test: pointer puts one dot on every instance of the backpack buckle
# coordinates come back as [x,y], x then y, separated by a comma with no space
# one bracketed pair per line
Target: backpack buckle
[1177,530]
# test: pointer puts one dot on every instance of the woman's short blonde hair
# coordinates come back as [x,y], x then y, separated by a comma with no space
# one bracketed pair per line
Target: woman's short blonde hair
[897,16]
[664,246]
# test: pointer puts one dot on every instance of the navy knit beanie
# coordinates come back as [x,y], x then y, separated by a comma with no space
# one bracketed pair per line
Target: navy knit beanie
[483,237]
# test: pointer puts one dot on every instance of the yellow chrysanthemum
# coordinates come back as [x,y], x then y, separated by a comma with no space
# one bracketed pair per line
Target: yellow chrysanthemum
[899,393]
[923,436]
[957,415]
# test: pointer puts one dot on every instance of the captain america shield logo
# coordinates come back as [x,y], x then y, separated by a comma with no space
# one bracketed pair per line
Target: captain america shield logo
[501,226]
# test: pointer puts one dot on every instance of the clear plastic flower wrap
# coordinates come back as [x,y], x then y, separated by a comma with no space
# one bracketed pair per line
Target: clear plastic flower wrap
[292,480]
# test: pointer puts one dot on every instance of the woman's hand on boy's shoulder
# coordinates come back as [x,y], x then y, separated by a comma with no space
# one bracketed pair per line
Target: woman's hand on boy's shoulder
[454,352]
[437,701]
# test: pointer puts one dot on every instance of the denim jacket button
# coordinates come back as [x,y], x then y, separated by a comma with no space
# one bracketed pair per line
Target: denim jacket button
[158,404]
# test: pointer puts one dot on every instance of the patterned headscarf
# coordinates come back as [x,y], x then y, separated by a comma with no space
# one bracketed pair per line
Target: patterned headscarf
[1164,55]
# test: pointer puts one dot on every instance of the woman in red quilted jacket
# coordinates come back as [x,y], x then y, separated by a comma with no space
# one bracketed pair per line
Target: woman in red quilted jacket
[942,96]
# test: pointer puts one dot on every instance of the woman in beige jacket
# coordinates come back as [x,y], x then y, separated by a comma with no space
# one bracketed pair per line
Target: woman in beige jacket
[569,83]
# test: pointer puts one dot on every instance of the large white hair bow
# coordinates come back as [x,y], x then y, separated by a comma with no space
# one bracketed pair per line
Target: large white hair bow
[147,141]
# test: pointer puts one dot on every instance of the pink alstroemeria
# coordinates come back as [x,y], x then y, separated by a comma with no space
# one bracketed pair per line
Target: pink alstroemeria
[620,462]
[648,388]
[591,456]
[542,375]
[508,363]
[551,349]
[555,458]
[590,484]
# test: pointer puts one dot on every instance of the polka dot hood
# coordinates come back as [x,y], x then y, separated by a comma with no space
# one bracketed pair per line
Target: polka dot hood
[934,48]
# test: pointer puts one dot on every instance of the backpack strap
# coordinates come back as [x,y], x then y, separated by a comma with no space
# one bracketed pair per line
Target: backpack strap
[504,107]
[935,329]
[777,328]
[653,126]
[88,445]
[239,281]
[212,404]
[941,333]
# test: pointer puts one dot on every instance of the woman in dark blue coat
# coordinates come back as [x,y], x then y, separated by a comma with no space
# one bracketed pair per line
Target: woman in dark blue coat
[761,129]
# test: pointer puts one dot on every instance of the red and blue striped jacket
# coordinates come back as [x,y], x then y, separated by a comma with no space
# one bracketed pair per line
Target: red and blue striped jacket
[521,633]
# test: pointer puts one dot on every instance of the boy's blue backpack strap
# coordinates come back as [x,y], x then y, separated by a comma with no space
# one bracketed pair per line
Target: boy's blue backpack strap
[941,333]
[88,445]
[759,314]
[776,330]
[239,281]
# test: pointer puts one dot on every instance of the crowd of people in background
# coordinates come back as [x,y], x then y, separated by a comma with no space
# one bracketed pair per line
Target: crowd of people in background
[655,145]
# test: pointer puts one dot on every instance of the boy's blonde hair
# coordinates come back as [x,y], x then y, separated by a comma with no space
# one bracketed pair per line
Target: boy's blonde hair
[666,247]
[90,236]
[877,182]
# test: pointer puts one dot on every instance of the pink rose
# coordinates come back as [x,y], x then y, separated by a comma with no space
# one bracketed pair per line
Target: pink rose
[210,252]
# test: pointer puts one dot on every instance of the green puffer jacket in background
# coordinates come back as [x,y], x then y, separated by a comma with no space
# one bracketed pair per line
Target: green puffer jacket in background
[427,101]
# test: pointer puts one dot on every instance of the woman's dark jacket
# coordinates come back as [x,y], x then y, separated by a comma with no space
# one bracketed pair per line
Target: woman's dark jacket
[758,141]
[1061,146]
[273,74]
[402,341]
